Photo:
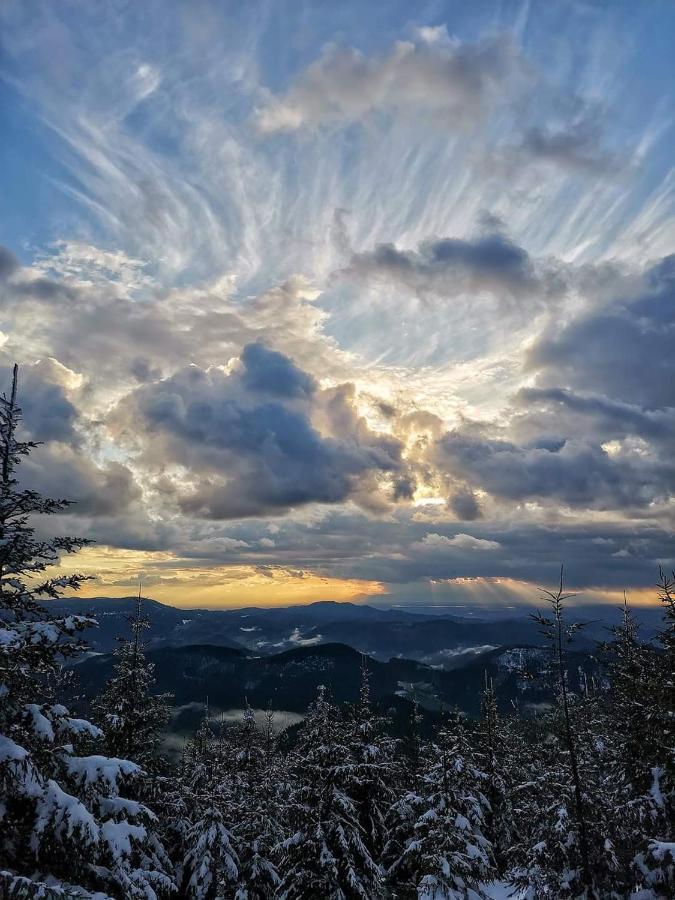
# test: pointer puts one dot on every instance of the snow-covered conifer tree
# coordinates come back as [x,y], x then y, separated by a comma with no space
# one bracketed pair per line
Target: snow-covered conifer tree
[210,863]
[498,746]
[131,717]
[404,811]
[657,862]
[64,821]
[373,773]
[257,792]
[447,855]
[570,832]
[558,634]
[325,855]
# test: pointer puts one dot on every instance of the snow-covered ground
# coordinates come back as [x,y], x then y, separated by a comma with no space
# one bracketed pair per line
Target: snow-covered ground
[500,890]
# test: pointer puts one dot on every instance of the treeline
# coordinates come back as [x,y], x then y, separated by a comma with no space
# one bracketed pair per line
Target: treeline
[576,801]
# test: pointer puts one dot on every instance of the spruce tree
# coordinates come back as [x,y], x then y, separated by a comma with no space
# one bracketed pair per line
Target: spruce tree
[404,811]
[498,752]
[447,855]
[571,813]
[558,634]
[131,717]
[655,806]
[373,771]
[64,820]
[325,855]
[259,787]
[210,863]
[632,670]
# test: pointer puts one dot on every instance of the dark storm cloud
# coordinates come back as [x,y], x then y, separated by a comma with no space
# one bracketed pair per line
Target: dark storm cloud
[249,441]
[48,414]
[58,471]
[450,266]
[267,371]
[555,469]
[622,350]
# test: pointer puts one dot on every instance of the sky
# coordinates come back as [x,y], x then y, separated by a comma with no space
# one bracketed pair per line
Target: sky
[352,301]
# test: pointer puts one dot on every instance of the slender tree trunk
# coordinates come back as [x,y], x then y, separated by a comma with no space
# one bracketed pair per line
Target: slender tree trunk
[7,449]
[580,813]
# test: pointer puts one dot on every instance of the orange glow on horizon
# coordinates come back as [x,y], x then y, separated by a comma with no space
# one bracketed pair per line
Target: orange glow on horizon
[190,583]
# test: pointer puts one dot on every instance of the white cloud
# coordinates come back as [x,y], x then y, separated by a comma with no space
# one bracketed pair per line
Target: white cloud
[452,80]
[460,541]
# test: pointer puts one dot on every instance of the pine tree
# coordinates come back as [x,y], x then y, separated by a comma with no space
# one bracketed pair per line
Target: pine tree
[210,862]
[498,751]
[326,855]
[447,855]
[654,807]
[554,629]
[131,717]
[63,818]
[257,795]
[373,773]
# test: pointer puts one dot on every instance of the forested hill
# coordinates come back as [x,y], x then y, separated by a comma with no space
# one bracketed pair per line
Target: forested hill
[231,678]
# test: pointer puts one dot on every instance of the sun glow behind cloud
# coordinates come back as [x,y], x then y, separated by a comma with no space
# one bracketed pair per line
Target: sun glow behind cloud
[193,583]
[365,317]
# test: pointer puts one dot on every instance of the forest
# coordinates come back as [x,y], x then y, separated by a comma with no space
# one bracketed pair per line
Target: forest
[573,802]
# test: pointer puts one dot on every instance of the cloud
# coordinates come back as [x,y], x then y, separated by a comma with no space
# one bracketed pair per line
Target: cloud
[577,147]
[465,505]
[59,471]
[162,297]
[596,427]
[569,133]
[63,466]
[448,267]
[268,372]
[9,264]
[95,322]
[556,469]
[617,349]
[248,441]
[465,542]
[569,412]
[48,413]
[454,81]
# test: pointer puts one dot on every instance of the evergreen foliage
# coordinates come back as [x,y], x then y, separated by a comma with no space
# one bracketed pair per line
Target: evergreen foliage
[64,820]
[447,854]
[326,851]
[573,802]
[132,718]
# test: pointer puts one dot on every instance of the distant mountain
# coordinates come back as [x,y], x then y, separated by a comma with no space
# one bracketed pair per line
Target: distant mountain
[168,625]
[380,632]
